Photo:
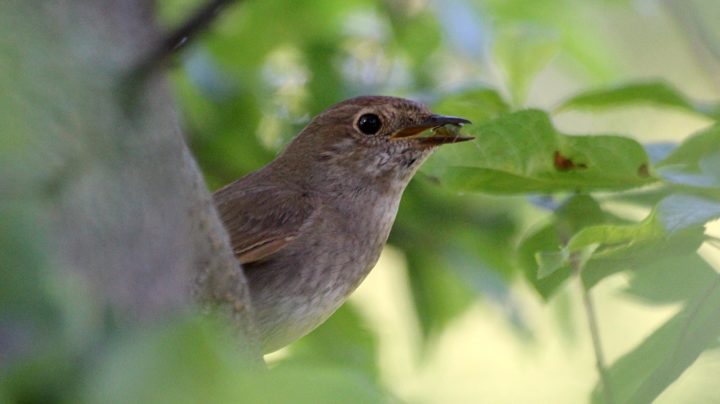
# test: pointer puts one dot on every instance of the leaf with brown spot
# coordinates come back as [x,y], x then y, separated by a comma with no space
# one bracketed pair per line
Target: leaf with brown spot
[563,163]
[510,154]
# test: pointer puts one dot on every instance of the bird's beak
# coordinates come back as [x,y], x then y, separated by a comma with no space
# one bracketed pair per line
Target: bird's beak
[439,136]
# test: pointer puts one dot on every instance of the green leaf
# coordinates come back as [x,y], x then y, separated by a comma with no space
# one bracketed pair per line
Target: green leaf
[521,52]
[674,214]
[544,262]
[642,374]
[543,241]
[584,40]
[675,226]
[522,152]
[654,93]
[694,148]
[696,162]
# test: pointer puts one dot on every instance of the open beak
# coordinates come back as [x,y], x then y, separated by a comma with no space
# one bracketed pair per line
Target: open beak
[439,136]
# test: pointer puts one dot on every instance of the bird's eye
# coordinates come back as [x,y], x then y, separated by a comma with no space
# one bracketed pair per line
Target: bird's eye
[369,124]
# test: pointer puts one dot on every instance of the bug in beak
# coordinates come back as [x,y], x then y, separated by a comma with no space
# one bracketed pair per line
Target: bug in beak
[442,132]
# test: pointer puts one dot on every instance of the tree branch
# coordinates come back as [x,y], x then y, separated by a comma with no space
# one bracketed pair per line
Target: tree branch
[180,37]
[115,202]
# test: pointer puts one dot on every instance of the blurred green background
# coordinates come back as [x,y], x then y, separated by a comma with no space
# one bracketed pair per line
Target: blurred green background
[454,311]
[448,315]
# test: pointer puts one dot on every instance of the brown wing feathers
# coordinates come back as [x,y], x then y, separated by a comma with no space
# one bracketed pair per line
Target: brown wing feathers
[257,234]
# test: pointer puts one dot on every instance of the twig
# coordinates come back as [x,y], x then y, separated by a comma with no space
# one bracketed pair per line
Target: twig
[713,240]
[180,37]
[132,84]
[594,334]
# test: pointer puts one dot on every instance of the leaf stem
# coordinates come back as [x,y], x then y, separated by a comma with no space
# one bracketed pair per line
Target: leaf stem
[713,241]
[594,328]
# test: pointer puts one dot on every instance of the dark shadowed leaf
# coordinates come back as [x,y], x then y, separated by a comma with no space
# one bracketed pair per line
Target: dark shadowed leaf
[435,226]
[342,339]
[695,162]
[673,279]
[194,361]
[576,213]
[694,148]
[676,225]
[673,215]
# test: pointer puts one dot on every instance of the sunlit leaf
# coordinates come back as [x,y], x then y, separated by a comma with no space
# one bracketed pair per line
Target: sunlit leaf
[550,261]
[523,152]
[649,93]
[584,40]
[521,52]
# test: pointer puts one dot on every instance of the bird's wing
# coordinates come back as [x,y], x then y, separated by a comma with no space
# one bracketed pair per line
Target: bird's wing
[262,220]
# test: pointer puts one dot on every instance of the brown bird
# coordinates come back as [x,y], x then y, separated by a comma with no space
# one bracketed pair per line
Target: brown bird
[309,226]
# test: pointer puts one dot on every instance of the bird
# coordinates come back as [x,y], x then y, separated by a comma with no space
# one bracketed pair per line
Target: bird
[309,226]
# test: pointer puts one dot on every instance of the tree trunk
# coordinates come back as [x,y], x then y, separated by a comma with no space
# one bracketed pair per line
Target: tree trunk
[99,190]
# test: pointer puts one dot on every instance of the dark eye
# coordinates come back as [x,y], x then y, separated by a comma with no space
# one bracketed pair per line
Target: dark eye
[369,124]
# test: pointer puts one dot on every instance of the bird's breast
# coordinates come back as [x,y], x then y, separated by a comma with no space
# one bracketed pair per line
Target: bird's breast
[301,287]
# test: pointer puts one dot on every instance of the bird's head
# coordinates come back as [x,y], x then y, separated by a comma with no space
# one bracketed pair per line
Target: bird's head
[372,136]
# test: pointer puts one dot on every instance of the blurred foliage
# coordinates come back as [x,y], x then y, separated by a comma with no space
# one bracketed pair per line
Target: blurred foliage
[652,93]
[259,75]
